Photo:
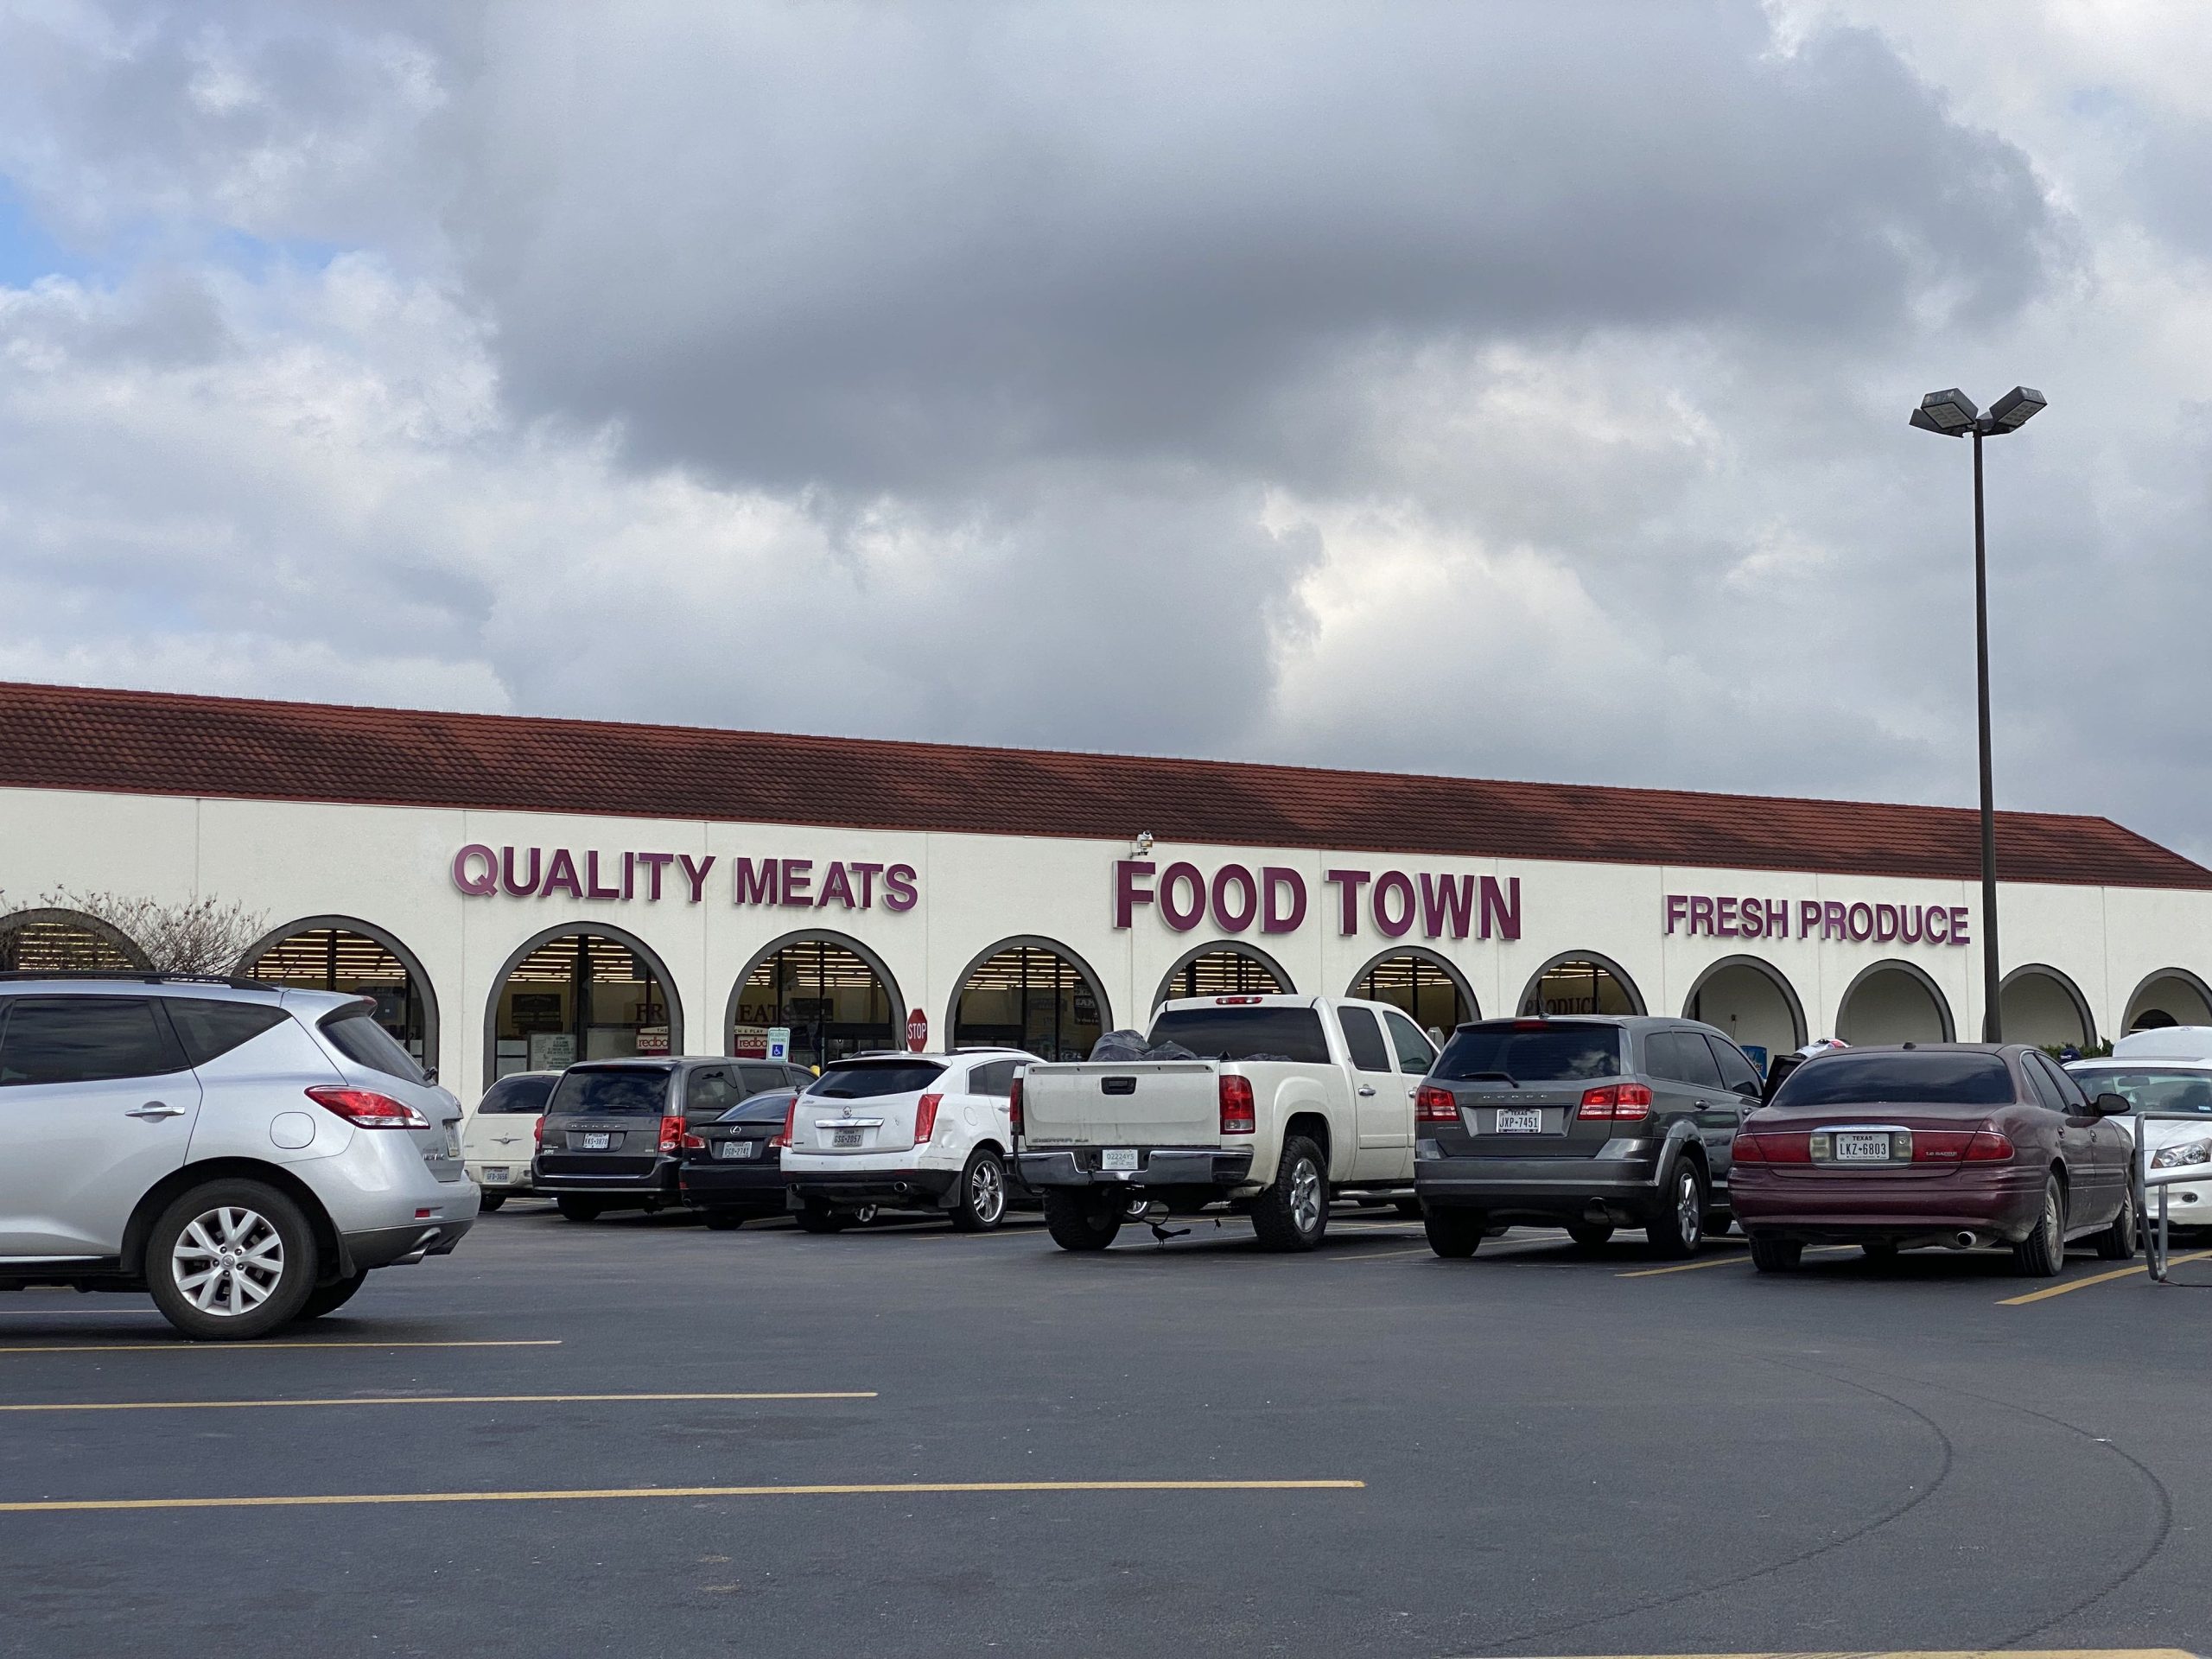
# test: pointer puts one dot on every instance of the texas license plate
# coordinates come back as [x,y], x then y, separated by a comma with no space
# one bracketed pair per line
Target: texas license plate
[1121,1158]
[496,1174]
[596,1139]
[844,1137]
[1515,1121]
[1863,1146]
[737,1149]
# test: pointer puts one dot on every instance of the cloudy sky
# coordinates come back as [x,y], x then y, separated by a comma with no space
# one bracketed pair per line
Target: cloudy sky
[1512,390]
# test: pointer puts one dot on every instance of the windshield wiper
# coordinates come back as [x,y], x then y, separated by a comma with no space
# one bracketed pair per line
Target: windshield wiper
[1505,1078]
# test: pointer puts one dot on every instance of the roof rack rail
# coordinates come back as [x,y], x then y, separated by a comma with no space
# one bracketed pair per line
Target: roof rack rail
[144,976]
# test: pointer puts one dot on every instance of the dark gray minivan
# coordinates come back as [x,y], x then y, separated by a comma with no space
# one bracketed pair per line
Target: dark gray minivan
[612,1135]
[1587,1122]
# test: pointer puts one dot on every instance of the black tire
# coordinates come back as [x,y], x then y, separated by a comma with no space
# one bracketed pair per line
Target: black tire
[262,1246]
[2042,1254]
[328,1299]
[1590,1235]
[573,1208]
[818,1217]
[1292,1214]
[1678,1227]
[1775,1254]
[2117,1241]
[1718,1224]
[1455,1235]
[490,1202]
[979,1202]
[1078,1221]
[723,1221]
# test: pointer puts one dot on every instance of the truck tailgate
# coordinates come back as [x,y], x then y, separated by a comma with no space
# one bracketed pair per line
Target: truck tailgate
[1135,1103]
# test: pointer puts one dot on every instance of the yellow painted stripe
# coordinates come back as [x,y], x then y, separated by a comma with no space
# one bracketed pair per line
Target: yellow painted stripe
[416,1400]
[1737,1259]
[2049,1291]
[183,1346]
[336,1500]
[1383,1256]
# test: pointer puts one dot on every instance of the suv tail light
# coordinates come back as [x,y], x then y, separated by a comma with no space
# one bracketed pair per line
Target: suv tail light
[537,1129]
[1013,1106]
[926,1117]
[1435,1105]
[791,1123]
[365,1108]
[1238,1114]
[672,1131]
[1626,1103]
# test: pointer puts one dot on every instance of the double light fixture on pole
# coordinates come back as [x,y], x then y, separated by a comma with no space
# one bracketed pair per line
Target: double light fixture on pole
[1952,413]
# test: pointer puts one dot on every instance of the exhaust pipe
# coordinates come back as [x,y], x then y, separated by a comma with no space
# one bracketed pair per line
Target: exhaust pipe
[1963,1240]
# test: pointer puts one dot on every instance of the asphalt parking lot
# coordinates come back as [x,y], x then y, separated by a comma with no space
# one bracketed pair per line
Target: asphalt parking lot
[637,1437]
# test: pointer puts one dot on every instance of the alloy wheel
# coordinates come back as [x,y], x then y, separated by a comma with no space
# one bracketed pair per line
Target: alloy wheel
[227,1261]
[1305,1197]
[1689,1213]
[987,1192]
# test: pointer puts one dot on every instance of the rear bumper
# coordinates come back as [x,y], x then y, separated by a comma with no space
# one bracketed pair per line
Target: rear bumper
[518,1177]
[758,1188]
[910,1188]
[391,1247]
[1157,1167]
[2004,1202]
[1545,1188]
[659,1182]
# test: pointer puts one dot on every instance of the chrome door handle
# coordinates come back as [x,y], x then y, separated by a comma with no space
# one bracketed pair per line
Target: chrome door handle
[1366,1088]
[154,1111]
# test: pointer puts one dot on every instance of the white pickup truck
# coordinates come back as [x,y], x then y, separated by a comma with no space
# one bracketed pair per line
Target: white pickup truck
[1294,1098]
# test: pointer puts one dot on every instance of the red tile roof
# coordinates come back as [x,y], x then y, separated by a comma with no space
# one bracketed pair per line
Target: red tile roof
[141,742]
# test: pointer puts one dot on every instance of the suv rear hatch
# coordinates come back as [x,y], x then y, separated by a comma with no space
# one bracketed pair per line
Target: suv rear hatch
[604,1119]
[375,1060]
[1520,1087]
[863,1106]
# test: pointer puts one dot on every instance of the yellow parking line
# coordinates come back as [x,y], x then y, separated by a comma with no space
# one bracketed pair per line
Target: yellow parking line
[416,1399]
[1737,1257]
[329,1500]
[1383,1256]
[2049,1291]
[181,1345]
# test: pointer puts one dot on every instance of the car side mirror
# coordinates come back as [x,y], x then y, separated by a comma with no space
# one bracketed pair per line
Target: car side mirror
[2112,1106]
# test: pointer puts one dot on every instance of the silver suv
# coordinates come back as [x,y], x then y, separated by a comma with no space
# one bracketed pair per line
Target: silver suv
[244,1154]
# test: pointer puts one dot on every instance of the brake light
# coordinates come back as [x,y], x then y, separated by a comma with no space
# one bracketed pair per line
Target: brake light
[693,1143]
[1620,1101]
[1772,1148]
[1988,1146]
[926,1117]
[1013,1106]
[1238,1114]
[672,1131]
[1744,1149]
[791,1123]
[1234,1001]
[537,1129]
[1435,1105]
[365,1108]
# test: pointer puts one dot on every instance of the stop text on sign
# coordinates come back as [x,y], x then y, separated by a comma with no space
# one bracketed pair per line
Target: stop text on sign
[1274,898]
[1722,916]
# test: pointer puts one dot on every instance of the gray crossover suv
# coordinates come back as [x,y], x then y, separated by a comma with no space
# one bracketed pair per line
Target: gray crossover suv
[1586,1124]
[245,1152]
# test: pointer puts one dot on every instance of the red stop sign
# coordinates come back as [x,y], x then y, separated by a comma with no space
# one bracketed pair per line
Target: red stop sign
[917,1031]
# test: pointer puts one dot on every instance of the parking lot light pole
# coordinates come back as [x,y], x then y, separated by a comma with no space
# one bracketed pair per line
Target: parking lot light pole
[1952,413]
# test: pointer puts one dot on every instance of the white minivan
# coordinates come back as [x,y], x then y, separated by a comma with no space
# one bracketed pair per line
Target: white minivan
[2166,1069]
[918,1132]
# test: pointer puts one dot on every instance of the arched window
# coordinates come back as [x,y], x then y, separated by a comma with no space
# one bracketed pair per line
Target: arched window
[1030,994]
[338,953]
[2041,1005]
[580,992]
[2172,996]
[48,941]
[1753,1001]
[1223,969]
[832,994]
[1581,982]
[1893,1002]
[1424,984]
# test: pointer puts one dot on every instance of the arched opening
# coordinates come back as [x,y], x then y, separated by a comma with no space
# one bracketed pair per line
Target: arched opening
[2038,1004]
[1421,983]
[1581,982]
[1893,1002]
[577,993]
[1030,994]
[830,993]
[1750,1001]
[50,941]
[2172,996]
[1223,969]
[337,953]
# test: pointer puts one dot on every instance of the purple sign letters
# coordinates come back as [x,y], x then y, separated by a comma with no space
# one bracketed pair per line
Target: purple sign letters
[787,883]
[1725,917]
[1275,896]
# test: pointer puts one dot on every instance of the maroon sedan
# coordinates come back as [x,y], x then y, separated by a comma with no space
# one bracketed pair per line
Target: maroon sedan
[1952,1144]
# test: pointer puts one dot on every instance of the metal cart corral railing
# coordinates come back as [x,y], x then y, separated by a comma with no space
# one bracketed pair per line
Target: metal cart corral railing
[2146,1178]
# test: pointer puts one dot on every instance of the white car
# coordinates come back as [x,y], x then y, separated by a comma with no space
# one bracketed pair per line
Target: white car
[2167,1070]
[918,1131]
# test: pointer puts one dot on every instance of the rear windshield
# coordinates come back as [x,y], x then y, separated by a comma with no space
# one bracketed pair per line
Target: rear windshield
[1894,1078]
[636,1090]
[2149,1088]
[1557,1053]
[1246,1033]
[521,1097]
[761,1109]
[874,1078]
[363,1041]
